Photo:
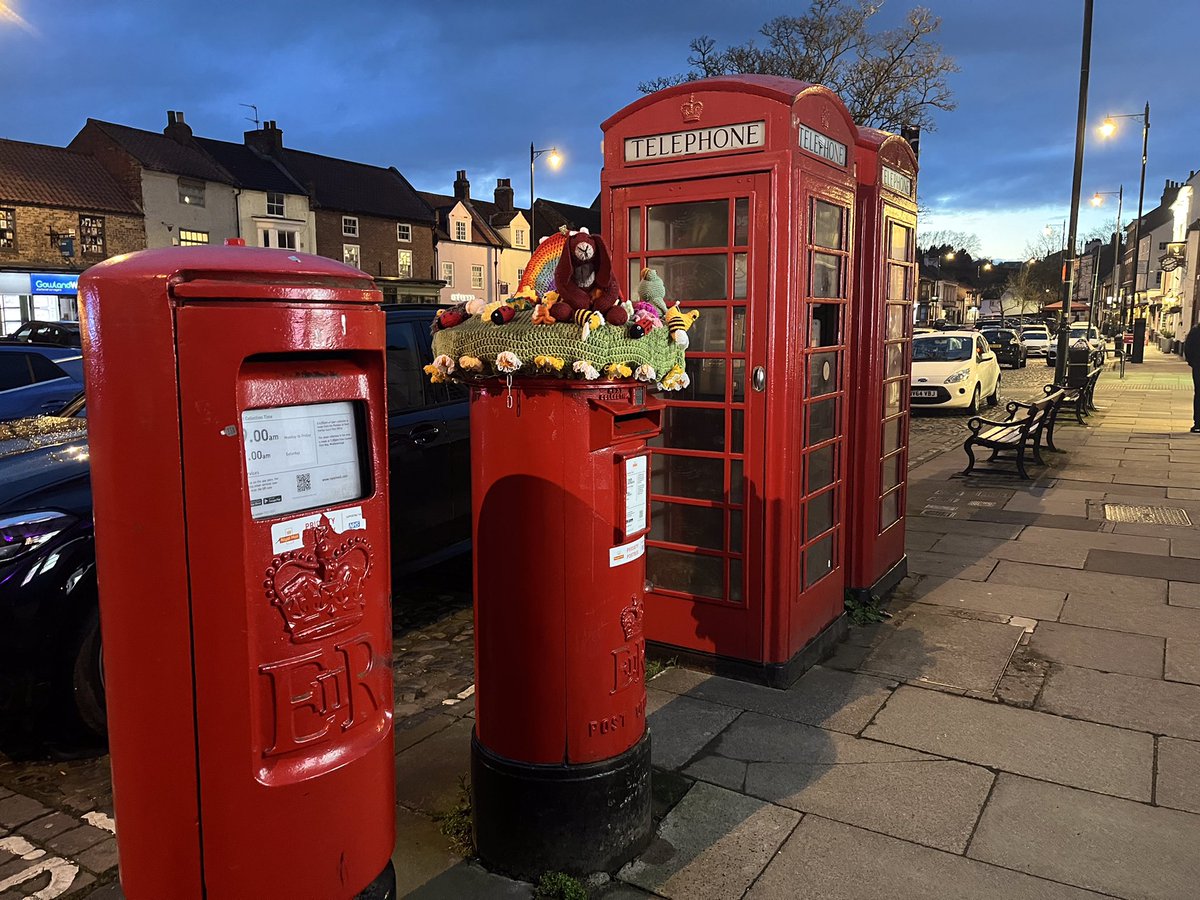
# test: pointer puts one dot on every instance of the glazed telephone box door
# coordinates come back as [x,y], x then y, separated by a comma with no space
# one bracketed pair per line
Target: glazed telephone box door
[704,561]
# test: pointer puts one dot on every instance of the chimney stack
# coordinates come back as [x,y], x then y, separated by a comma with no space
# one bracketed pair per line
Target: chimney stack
[267,140]
[462,187]
[504,194]
[177,129]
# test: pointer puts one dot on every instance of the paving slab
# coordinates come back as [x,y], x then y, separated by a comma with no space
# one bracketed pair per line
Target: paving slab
[1080,754]
[944,650]
[1090,840]
[1042,553]
[1143,565]
[711,846]
[1184,593]
[945,565]
[831,699]
[1010,600]
[962,526]
[1039,520]
[825,860]
[1183,660]
[1142,704]
[681,726]
[893,790]
[470,880]
[429,774]
[1089,540]
[1091,584]
[422,852]
[1099,648]
[1178,774]
[1133,614]
[1057,502]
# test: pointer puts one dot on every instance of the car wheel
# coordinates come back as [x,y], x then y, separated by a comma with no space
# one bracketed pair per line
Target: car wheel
[994,397]
[973,409]
[87,678]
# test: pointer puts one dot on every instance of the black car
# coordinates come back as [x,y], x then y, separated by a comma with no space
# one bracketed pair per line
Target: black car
[60,334]
[1006,343]
[49,623]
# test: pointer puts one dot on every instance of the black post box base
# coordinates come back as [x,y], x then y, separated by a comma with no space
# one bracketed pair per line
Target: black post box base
[382,888]
[577,819]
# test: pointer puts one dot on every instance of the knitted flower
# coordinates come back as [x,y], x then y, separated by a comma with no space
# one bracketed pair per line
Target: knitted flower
[508,362]
[675,380]
[549,363]
[436,376]
[618,370]
[470,364]
[475,306]
[586,369]
[443,363]
[541,314]
[645,372]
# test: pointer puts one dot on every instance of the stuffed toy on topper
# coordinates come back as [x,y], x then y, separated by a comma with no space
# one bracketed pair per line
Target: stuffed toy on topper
[584,281]
[652,290]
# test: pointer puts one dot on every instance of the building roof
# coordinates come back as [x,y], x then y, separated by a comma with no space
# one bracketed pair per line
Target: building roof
[496,217]
[249,169]
[481,231]
[356,187]
[551,214]
[159,153]
[38,175]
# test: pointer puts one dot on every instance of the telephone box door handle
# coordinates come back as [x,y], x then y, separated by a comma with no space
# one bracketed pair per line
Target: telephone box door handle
[758,379]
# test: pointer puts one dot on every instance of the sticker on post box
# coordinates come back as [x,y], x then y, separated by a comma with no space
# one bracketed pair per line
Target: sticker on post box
[635,495]
[289,535]
[301,457]
[626,553]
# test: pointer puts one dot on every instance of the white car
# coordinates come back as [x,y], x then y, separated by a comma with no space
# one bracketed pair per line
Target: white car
[954,369]
[1036,338]
[1079,332]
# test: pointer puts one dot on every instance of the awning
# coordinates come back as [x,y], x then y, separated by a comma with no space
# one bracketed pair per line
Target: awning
[1075,307]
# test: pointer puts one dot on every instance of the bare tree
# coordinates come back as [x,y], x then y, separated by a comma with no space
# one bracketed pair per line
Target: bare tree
[886,78]
[955,240]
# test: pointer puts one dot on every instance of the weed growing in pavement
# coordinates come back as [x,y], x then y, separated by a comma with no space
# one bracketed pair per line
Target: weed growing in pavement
[456,824]
[557,886]
[656,667]
[865,612]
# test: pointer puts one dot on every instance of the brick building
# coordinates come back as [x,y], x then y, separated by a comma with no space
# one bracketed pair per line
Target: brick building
[60,212]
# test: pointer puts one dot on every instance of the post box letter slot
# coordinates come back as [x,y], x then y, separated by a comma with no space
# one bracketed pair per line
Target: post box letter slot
[614,420]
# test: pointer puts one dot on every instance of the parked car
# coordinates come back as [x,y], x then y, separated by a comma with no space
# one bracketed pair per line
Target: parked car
[37,378]
[50,645]
[1080,331]
[954,369]
[1006,343]
[60,334]
[1036,338]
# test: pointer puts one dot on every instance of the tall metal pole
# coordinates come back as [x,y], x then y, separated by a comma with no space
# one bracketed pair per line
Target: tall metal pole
[1137,223]
[532,225]
[1060,364]
[1117,267]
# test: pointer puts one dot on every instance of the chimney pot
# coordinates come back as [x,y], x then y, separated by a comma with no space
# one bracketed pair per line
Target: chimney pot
[462,187]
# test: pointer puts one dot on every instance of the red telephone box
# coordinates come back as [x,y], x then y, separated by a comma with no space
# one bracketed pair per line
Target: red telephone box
[239,469]
[560,771]
[739,191]
[879,392]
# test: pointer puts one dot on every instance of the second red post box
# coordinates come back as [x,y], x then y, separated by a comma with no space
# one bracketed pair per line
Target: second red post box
[239,468]
[561,754]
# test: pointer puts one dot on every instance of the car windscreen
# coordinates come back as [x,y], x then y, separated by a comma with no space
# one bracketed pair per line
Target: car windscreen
[998,337]
[1035,332]
[942,349]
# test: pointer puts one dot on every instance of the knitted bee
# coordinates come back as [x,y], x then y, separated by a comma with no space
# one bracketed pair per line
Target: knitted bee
[678,322]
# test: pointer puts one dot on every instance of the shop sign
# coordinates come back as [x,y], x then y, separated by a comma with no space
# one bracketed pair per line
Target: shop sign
[53,283]
[718,139]
[822,145]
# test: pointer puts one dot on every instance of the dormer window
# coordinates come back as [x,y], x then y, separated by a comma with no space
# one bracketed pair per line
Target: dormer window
[520,241]
[460,231]
[350,226]
[274,204]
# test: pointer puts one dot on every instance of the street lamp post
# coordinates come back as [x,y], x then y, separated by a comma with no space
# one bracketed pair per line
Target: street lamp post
[1107,129]
[1098,200]
[555,160]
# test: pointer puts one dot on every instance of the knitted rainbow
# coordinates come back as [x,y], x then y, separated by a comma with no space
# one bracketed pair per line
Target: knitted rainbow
[539,274]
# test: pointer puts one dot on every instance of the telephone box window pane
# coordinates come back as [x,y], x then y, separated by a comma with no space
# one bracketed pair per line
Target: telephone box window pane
[694,429]
[741,222]
[893,366]
[301,457]
[690,573]
[820,514]
[827,225]
[635,276]
[707,334]
[897,315]
[898,282]
[694,277]
[736,481]
[707,381]
[735,579]
[889,510]
[820,469]
[735,530]
[739,380]
[826,275]
[819,561]
[739,330]
[891,435]
[685,226]
[822,374]
[697,526]
[737,423]
[890,473]
[635,229]
[739,276]
[892,391]
[696,478]
[822,421]
[824,330]
[900,244]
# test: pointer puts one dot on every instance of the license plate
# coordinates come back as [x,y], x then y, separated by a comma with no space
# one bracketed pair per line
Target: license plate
[920,393]
[995,346]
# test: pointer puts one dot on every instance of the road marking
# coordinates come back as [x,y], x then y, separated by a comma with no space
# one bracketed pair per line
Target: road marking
[100,820]
[62,873]
[459,697]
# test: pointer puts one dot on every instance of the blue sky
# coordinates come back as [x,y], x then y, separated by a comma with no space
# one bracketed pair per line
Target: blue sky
[434,87]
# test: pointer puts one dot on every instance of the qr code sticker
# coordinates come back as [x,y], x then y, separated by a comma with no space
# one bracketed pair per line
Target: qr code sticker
[303,482]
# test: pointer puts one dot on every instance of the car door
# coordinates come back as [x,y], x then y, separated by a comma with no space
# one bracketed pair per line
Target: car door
[988,368]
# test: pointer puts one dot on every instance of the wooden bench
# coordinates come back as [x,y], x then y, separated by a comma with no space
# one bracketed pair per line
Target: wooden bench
[1011,439]
[1081,392]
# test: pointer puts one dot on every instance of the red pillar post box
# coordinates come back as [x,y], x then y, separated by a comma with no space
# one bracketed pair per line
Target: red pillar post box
[238,441]
[879,393]
[560,771]
[739,191]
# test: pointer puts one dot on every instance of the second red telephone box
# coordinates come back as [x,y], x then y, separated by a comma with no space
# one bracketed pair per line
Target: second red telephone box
[739,192]
[879,392]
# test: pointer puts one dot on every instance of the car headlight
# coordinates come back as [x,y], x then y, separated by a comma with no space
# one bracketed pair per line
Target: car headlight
[958,376]
[24,532]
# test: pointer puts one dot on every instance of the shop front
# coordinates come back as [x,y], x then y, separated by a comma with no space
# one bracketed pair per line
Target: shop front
[46,296]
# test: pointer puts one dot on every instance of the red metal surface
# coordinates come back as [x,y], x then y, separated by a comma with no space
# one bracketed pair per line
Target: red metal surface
[249,691]
[879,395]
[559,646]
[769,578]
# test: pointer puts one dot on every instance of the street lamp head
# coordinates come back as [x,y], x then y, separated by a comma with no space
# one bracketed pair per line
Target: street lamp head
[987,267]
[554,159]
[1097,200]
[950,255]
[1108,127]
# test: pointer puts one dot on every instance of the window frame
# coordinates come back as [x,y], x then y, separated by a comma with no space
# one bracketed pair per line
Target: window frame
[192,187]
[352,250]
[282,204]
[193,243]
[519,239]
[93,239]
[477,270]
[400,236]
[447,272]
[460,225]
[8,234]
[400,267]
[350,226]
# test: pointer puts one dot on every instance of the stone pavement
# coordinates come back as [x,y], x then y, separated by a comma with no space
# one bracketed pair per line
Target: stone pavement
[1025,725]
